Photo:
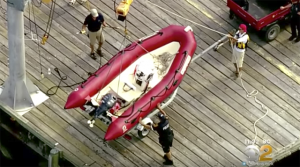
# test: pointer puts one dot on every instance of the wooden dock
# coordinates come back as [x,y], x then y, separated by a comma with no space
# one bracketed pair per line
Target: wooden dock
[211,115]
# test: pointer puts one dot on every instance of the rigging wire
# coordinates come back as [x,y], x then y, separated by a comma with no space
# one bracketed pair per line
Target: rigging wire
[122,44]
[49,23]
[186,19]
[37,41]
[120,52]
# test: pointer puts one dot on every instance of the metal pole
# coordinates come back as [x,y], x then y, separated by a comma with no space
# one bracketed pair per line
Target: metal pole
[209,48]
[18,91]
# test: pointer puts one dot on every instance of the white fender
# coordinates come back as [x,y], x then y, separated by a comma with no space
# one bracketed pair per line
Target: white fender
[188,28]
[144,121]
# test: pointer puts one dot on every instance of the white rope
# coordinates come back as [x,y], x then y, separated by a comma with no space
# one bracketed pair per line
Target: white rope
[254,93]
[163,62]
[163,59]
[187,19]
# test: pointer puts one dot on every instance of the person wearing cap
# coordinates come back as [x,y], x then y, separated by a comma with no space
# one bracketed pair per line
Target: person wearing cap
[295,18]
[166,135]
[94,22]
[239,42]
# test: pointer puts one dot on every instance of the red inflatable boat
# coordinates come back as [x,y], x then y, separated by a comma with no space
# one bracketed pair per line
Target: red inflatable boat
[136,79]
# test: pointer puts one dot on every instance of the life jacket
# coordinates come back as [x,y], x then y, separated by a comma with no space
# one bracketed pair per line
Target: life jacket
[242,45]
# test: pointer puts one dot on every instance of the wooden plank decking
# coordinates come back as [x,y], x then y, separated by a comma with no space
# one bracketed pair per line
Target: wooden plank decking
[211,115]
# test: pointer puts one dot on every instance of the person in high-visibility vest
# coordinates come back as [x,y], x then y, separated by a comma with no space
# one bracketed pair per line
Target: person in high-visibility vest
[239,42]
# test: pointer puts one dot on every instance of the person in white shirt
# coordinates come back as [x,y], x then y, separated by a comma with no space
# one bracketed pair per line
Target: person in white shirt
[239,43]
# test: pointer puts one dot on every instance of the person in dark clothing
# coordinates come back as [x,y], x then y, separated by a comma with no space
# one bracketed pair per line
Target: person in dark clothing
[242,3]
[295,19]
[165,133]
[94,22]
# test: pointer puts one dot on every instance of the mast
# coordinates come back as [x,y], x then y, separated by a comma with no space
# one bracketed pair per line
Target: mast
[18,91]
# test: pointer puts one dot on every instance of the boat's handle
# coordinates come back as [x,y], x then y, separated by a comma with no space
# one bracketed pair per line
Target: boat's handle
[129,85]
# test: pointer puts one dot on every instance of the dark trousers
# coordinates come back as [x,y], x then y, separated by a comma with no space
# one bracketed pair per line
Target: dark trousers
[295,25]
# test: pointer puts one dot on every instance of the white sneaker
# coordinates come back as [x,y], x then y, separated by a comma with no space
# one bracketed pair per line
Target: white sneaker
[72,2]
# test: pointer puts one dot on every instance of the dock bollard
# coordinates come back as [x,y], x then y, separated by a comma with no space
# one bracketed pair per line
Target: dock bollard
[53,159]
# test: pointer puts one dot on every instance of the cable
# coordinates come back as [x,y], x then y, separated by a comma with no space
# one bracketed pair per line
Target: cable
[123,42]
[187,19]
[122,52]
[63,78]
[254,93]
[49,23]
[37,41]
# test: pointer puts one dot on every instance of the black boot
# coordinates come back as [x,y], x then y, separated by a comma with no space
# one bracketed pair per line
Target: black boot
[292,38]
[168,162]
[298,39]
[99,51]
[165,157]
[93,56]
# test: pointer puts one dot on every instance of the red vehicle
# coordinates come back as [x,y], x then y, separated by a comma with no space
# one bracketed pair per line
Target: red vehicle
[263,15]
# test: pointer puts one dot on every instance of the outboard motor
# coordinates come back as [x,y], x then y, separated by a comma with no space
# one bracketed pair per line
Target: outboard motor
[107,102]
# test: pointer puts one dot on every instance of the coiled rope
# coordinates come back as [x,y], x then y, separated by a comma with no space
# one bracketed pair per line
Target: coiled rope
[254,93]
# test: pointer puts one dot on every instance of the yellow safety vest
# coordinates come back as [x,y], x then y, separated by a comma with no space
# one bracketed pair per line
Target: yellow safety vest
[241,45]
